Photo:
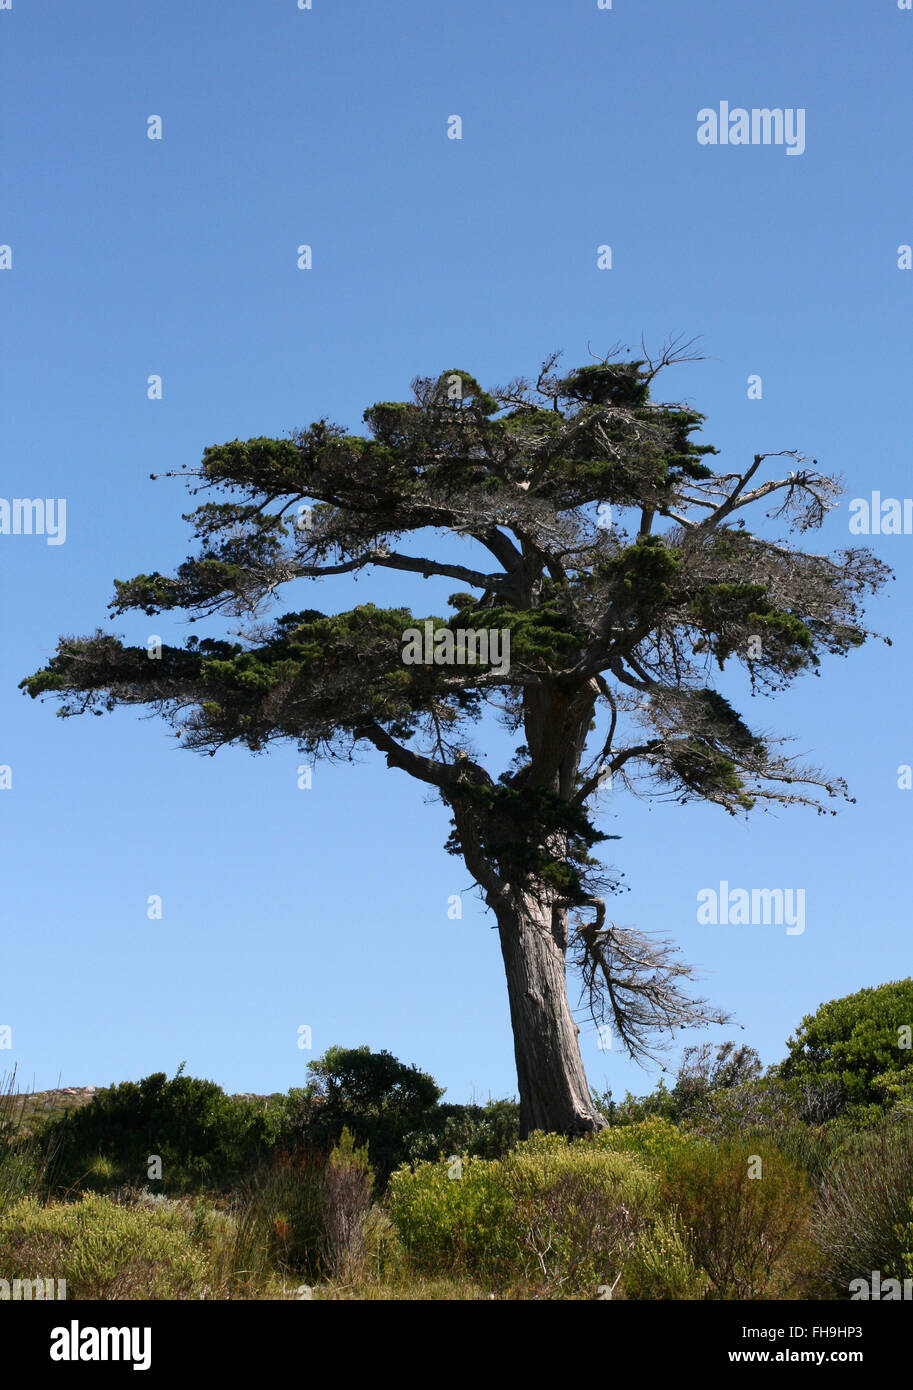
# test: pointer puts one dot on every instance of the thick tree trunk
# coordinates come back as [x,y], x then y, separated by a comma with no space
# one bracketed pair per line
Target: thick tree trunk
[554,1095]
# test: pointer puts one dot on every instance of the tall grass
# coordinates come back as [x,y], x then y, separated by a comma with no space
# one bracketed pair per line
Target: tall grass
[861,1220]
[23,1166]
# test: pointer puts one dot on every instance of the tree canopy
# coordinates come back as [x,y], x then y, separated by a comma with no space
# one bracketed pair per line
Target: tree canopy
[862,1043]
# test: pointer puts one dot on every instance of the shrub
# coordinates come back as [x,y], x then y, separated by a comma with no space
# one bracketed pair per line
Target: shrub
[853,1045]
[661,1266]
[346,1198]
[377,1097]
[654,1138]
[749,1234]
[861,1220]
[306,1213]
[560,1217]
[479,1131]
[452,1213]
[203,1137]
[105,1249]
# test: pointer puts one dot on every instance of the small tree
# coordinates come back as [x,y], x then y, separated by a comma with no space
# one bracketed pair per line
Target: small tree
[611,633]
[378,1098]
[859,1047]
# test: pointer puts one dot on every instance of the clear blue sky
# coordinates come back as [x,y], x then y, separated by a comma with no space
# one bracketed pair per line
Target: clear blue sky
[328,907]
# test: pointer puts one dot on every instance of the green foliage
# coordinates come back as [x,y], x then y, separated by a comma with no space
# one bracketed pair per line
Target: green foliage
[518,826]
[104,1249]
[479,1131]
[541,639]
[203,1137]
[660,1265]
[904,1233]
[654,1138]
[378,1098]
[560,1216]
[745,1210]
[706,771]
[856,1044]
[861,1220]
[347,1154]
[644,575]
[728,612]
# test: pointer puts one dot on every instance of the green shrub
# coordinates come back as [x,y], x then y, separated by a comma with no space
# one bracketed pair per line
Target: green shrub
[855,1046]
[559,1217]
[661,1265]
[203,1137]
[452,1213]
[654,1138]
[105,1250]
[862,1217]
[749,1234]
[379,1099]
[478,1131]
[346,1200]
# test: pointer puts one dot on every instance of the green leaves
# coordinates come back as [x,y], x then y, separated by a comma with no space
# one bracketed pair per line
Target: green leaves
[532,830]
[859,1043]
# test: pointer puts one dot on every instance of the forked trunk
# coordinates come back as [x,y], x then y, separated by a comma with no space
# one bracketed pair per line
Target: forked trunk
[554,1095]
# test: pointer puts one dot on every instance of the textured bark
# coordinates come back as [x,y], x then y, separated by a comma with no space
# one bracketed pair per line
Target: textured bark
[554,1095]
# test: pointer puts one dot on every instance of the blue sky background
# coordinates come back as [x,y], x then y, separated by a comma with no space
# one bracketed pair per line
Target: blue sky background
[328,907]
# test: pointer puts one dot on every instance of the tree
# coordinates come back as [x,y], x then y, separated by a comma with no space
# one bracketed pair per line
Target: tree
[379,1098]
[860,1046]
[611,634]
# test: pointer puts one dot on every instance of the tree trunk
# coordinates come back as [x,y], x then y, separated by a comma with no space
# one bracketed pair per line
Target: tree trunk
[554,1095]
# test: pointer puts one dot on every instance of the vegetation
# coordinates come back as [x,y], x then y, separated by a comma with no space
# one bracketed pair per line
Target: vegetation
[731,1183]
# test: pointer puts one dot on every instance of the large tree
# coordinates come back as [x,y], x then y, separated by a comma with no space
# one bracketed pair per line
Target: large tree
[622,566]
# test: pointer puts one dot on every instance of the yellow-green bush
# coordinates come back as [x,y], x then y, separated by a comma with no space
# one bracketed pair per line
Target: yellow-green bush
[746,1211]
[561,1217]
[655,1138]
[660,1265]
[104,1249]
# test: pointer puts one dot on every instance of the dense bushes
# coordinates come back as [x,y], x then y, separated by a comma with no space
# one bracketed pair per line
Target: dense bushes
[744,1209]
[106,1249]
[482,1131]
[860,1046]
[560,1217]
[202,1136]
[652,1213]
[395,1110]
[862,1221]
[377,1098]
[727,1184]
[207,1140]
